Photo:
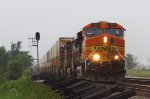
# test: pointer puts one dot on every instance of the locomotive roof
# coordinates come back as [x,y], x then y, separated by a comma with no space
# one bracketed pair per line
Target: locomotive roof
[104,24]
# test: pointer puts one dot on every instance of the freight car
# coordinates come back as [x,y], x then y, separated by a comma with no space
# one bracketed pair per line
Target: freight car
[95,53]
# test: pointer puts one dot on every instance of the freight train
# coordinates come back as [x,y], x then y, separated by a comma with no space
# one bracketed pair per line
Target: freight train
[95,53]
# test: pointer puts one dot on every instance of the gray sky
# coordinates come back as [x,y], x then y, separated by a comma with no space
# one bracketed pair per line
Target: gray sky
[20,19]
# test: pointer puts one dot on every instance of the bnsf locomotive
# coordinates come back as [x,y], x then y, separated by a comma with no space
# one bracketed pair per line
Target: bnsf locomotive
[95,53]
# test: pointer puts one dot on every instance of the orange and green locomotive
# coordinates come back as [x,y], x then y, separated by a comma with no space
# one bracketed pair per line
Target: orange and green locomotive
[96,53]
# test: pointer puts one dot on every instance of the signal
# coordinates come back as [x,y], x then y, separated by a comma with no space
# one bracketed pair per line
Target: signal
[37,36]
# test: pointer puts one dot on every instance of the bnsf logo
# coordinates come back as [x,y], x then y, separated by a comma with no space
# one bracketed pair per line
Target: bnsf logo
[105,48]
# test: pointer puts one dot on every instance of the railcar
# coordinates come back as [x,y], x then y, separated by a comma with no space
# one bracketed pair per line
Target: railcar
[96,53]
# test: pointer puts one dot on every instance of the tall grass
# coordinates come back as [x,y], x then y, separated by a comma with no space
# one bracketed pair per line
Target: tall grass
[24,88]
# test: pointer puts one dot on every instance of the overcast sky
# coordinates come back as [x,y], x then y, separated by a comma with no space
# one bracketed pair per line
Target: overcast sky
[20,19]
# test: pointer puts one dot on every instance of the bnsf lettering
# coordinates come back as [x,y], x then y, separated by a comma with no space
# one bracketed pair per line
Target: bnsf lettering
[105,48]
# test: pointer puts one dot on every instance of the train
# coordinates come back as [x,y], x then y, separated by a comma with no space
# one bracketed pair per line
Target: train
[95,53]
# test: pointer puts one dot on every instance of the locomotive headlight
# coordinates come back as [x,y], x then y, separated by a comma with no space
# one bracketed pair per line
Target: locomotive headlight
[105,39]
[96,57]
[116,57]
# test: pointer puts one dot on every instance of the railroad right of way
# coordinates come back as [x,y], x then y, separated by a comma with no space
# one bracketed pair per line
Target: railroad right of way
[75,88]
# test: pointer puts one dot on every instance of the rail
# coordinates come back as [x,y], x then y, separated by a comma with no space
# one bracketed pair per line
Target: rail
[140,85]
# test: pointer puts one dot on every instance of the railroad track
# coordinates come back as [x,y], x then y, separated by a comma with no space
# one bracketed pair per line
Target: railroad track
[138,80]
[140,85]
[73,88]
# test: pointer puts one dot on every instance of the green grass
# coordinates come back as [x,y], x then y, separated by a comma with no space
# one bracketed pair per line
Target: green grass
[24,88]
[139,72]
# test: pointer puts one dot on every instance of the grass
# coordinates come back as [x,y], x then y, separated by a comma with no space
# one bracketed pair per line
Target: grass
[139,72]
[24,88]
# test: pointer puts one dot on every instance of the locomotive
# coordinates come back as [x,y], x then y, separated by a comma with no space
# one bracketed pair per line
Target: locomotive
[95,53]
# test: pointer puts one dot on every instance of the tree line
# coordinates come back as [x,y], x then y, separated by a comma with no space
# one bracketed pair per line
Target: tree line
[13,62]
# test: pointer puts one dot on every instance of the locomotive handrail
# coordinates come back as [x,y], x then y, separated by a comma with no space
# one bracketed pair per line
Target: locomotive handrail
[88,58]
[121,55]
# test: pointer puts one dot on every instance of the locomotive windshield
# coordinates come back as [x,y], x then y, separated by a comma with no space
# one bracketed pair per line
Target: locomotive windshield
[115,32]
[94,31]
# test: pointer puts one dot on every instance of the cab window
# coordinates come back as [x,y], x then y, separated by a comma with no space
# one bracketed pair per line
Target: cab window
[115,32]
[93,32]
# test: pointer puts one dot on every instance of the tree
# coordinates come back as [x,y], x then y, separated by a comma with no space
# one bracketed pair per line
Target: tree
[18,60]
[3,57]
[13,62]
[25,59]
[15,49]
[3,64]
[131,61]
[22,56]
[15,69]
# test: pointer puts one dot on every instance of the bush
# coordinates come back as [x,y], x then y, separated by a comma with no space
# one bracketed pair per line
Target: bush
[15,70]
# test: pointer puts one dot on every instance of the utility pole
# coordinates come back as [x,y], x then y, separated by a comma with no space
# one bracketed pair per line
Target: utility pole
[35,42]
